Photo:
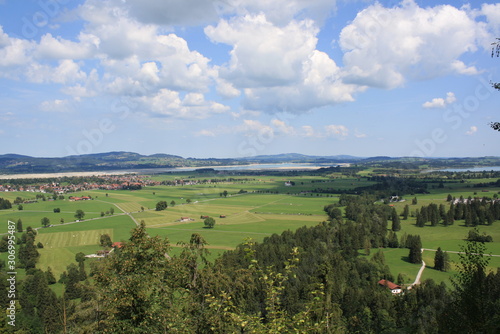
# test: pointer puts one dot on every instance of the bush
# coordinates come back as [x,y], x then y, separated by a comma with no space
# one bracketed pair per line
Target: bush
[475,236]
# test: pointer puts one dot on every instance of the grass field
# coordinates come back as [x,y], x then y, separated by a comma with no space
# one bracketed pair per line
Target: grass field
[71,239]
[265,206]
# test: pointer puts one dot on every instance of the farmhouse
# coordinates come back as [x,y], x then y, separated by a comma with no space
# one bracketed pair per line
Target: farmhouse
[102,253]
[395,289]
[117,244]
[83,198]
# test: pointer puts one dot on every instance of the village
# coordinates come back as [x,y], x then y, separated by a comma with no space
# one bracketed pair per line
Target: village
[61,186]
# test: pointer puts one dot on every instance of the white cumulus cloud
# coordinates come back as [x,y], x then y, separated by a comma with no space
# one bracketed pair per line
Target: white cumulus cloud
[279,68]
[168,103]
[440,102]
[56,106]
[339,131]
[383,47]
[472,130]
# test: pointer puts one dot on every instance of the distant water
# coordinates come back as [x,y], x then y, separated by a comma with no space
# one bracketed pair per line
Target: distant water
[283,166]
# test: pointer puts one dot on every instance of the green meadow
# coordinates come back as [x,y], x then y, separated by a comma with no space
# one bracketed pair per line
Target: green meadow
[254,207]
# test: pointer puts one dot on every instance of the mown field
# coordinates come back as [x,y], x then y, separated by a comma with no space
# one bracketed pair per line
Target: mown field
[255,207]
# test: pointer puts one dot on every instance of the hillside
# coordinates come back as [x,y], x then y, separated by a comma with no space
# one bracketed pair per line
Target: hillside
[16,164]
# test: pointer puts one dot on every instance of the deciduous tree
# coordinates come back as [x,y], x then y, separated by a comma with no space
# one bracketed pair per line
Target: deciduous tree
[209,222]
[45,221]
[79,214]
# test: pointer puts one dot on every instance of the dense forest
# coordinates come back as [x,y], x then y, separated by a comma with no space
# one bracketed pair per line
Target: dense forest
[313,280]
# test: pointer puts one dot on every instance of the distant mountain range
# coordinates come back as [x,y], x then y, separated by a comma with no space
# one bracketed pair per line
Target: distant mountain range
[296,157]
[15,163]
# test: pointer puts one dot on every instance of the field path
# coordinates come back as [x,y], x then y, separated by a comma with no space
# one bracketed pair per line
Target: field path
[455,252]
[124,211]
[421,270]
[419,275]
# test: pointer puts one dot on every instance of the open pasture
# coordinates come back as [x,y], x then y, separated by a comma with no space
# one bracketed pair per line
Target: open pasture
[75,238]
[59,259]
[450,237]
[33,218]
[231,231]
[295,205]
[92,208]
[396,259]
[121,225]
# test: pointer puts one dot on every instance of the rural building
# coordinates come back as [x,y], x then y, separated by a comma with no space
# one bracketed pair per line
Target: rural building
[102,253]
[395,289]
[394,199]
[117,244]
[84,198]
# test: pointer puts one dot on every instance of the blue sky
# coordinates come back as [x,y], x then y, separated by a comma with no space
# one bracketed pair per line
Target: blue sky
[234,78]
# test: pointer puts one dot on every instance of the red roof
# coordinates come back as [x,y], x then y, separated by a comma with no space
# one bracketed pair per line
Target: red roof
[389,284]
[117,244]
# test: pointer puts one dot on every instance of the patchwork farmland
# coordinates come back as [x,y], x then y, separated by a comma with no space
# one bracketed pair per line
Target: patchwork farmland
[246,208]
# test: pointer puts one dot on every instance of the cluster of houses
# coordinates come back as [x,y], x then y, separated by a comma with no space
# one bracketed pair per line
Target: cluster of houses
[83,198]
[470,200]
[105,182]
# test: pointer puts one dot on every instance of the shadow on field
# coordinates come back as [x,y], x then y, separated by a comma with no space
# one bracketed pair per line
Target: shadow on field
[405,259]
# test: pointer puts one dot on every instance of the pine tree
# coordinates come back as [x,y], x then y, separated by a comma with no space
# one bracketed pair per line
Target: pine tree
[415,255]
[396,224]
[406,212]
[414,243]
[442,211]
[72,290]
[441,260]
[434,214]
[420,220]
[51,279]
[393,240]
